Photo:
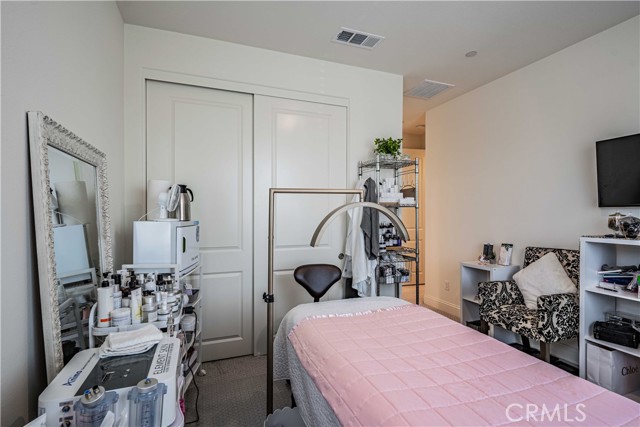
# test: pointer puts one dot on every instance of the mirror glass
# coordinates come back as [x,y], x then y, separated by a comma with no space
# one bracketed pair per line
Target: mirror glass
[75,241]
[72,234]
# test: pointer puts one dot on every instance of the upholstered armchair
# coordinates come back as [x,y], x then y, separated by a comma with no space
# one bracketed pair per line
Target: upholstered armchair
[554,319]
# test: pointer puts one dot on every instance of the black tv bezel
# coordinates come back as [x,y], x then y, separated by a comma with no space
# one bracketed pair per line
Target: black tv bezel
[611,140]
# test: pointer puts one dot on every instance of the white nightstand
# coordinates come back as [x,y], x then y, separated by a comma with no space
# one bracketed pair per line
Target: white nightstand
[471,273]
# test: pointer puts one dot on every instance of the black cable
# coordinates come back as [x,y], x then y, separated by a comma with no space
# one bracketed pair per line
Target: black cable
[195,331]
[197,396]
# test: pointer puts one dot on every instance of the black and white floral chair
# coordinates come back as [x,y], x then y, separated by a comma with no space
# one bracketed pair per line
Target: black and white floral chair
[554,319]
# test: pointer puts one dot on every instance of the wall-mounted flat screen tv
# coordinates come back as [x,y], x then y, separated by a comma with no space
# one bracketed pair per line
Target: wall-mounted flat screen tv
[618,171]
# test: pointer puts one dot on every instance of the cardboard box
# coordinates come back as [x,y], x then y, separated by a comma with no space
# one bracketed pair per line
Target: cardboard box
[612,369]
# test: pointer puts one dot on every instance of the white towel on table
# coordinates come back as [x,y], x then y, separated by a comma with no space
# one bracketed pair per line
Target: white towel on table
[130,342]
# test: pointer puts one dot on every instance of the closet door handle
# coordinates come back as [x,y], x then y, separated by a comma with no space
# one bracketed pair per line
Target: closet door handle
[340,255]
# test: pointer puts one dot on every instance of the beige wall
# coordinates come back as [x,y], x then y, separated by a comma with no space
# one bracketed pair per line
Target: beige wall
[514,161]
[66,60]
[412,142]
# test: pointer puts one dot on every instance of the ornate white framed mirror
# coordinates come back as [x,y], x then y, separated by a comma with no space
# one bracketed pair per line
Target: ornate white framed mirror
[73,233]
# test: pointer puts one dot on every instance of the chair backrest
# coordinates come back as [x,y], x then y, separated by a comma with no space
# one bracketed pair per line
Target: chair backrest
[317,278]
[569,258]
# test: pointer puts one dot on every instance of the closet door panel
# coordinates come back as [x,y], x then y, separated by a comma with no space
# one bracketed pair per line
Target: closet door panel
[203,138]
[297,145]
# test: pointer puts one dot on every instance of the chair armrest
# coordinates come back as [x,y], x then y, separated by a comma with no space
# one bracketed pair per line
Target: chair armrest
[495,294]
[558,316]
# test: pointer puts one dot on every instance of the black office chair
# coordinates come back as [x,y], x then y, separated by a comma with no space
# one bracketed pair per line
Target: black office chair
[317,279]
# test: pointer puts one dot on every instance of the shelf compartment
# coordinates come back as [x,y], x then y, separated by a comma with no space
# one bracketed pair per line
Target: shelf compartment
[632,296]
[195,301]
[473,324]
[474,300]
[621,348]
[100,332]
[387,163]
[395,205]
[401,258]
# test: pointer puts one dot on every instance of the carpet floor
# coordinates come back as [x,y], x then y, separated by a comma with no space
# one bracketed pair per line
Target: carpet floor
[233,393]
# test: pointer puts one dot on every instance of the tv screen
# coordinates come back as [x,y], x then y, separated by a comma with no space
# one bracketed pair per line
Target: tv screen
[618,171]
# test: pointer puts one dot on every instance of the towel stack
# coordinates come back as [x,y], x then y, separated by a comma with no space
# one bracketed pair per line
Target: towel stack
[130,342]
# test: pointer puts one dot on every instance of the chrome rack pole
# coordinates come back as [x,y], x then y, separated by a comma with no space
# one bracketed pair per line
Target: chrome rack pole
[417,222]
[268,296]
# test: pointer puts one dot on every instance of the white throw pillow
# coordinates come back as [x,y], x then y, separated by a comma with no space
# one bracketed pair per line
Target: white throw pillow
[543,277]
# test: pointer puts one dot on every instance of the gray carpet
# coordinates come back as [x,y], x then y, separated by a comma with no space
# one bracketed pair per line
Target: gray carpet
[233,393]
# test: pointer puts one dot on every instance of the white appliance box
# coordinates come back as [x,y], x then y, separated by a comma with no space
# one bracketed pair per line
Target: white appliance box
[167,242]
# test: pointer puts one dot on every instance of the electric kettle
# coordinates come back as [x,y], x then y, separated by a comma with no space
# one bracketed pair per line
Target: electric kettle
[183,211]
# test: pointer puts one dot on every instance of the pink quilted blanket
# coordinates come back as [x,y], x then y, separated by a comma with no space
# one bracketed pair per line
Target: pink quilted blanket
[410,366]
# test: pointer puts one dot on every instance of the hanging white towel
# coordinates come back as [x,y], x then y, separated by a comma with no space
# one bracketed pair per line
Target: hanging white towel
[130,342]
[357,266]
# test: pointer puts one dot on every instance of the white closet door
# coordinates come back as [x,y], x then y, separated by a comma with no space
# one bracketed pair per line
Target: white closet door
[303,145]
[203,138]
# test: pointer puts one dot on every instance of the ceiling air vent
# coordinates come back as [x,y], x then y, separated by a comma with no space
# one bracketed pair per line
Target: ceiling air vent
[357,38]
[427,89]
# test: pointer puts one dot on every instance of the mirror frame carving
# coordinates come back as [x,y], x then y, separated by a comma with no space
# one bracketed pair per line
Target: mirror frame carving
[45,132]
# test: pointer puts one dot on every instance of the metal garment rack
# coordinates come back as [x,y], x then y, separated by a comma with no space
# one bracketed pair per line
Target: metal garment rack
[400,168]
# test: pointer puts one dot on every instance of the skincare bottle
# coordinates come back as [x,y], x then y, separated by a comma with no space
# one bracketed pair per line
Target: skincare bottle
[124,286]
[171,327]
[105,304]
[136,302]
[117,281]
[136,306]
[117,299]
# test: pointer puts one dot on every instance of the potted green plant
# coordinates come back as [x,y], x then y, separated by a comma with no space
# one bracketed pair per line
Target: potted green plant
[387,147]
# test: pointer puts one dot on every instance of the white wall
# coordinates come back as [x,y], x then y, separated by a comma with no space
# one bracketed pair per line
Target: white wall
[514,161]
[66,60]
[373,99]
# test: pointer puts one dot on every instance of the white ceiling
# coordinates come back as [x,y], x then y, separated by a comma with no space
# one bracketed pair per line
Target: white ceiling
[423,40]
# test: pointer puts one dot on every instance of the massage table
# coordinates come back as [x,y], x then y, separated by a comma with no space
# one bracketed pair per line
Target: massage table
[383,361]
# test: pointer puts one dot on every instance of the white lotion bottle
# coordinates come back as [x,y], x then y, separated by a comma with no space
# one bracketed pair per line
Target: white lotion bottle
[105,305]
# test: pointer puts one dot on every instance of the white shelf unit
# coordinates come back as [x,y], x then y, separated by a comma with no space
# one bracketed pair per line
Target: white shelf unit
[595,302]
[193,339]
[472,273]
[405,258]
[192,276]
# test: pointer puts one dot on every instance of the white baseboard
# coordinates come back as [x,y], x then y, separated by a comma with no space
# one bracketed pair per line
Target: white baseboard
[443,307]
